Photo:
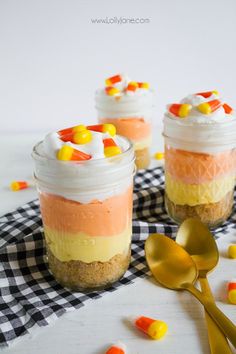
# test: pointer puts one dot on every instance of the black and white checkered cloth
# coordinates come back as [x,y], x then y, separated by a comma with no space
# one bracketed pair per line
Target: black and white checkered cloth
[30,296]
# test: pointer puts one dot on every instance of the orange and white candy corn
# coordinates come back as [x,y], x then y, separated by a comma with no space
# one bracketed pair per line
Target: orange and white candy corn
[66,134]
[209,107]
[83,137]
[112,91]
[111,148]
[207,93]
[117,348]
[232,291]
[181,110]
[68,153]
[144,85]
[227,108]
[132,86]
[16,186]
[113,80]
[103,128]
[153,328]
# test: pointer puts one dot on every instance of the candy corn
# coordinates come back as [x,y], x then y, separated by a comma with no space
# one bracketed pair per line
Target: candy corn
[232,291]
[132,86]
[66,134]
[19,185]
[68,153]
[103,128]
[113,80]
[112,91]
[227,108]
[153,328]
[143,85]
[118,348]
[207,94]
[111,148]
[159,156]
[209,107]
[180,110]
[232,251]
[82,137]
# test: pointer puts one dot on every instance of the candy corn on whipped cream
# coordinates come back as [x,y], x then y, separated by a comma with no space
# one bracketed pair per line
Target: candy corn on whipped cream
[128,105]
[200,157]
[84,177]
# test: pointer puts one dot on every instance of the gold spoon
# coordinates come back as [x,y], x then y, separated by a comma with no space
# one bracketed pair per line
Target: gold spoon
[173,267]
[198,241]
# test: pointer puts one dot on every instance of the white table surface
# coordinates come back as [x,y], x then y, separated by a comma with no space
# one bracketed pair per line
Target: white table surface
[92,328]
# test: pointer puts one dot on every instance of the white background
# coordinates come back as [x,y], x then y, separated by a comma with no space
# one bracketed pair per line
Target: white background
[52,58]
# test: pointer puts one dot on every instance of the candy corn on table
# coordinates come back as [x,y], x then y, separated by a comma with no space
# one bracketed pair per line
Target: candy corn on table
[91,329]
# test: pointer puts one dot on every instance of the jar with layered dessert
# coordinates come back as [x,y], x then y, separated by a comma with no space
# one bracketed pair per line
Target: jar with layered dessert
[200,158]
[128,105]
[84,177]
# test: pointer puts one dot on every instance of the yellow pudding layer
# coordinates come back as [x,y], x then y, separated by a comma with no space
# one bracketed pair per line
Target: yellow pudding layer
[82,247]
[194,194]
[142,144]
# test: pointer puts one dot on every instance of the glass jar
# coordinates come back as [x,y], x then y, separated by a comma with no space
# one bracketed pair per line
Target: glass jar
[131,116]
[200,164]
[86,210]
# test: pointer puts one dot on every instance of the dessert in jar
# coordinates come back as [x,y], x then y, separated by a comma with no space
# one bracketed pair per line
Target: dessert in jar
[200,158]
[128,105]
[84,177]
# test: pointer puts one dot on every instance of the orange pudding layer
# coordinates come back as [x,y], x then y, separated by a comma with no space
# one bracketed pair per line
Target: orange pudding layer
[133,128]
[97,218]
[196,168]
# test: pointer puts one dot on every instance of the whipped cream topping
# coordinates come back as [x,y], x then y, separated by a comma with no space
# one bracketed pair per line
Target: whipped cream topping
[95,148]
[98,178]
[210,133]
[195,116]
[125,103]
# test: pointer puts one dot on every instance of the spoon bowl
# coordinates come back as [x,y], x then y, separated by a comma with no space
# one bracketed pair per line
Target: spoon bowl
[199,242]
[170,264]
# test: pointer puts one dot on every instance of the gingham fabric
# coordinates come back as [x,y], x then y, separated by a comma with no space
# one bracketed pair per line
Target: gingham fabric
[30,296]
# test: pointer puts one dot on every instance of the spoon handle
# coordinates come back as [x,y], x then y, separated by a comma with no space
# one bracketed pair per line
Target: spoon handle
[227,327]
[218,342]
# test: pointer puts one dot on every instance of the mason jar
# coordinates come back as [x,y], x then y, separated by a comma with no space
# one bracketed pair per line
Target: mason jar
[200,164]
[86,210]
[131,116]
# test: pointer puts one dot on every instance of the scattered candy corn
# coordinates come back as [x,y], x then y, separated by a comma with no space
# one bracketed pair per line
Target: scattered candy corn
[112,91]
[113,80]
[143,85]
[207,94]
[180,110]
[117,348]
[209,107]
[132,86]
[227,108]
[103,128]
[68,153]
[83,137]
[111,148]
[159,156]
[66,134]
[232,251]
[153,328]
[232,291]
[16,186]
